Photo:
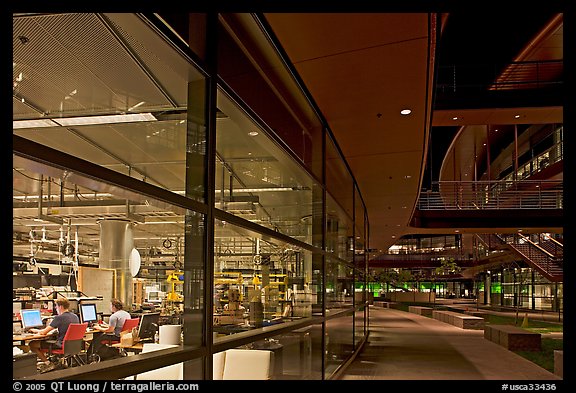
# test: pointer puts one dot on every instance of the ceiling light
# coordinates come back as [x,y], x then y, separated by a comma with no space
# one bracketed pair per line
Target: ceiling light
[253,133]
[405,111]
[33,123]
[90,120]
[516,116]
[136,106]
[455,118]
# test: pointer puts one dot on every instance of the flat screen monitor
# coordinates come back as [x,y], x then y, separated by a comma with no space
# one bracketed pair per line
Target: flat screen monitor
[31,318]
[88,312]
[148,325]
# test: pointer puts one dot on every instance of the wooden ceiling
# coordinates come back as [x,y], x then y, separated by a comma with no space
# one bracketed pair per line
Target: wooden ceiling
[362,69]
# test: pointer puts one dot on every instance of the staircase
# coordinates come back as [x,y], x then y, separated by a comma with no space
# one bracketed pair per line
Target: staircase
[546,257]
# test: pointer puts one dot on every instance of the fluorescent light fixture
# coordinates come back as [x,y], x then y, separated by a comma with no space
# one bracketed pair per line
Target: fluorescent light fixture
[33,123]
[90,120]
[82,121]
[264,189]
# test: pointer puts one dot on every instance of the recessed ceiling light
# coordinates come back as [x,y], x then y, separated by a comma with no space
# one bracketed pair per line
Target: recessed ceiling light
[405,111]
[253,133]
[455,118]
[516,116]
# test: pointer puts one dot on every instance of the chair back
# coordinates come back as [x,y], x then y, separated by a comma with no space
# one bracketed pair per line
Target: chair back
[255,364]
[74,338]
[130,324]
[75,331]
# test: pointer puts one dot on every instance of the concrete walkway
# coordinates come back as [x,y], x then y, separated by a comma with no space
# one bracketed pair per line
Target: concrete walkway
[407,346]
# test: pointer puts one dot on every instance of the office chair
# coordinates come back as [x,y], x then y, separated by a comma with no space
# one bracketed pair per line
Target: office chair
[129,324]
[72,346]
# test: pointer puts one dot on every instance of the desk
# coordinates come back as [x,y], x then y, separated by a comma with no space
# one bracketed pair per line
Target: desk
[137,348]
[24,338]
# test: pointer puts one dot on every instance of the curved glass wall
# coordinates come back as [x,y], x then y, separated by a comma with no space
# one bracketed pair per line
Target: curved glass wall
[236,233]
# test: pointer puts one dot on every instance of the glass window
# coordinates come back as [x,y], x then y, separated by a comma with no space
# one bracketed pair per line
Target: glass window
[339,182]
[256,179]
[338,230]
[107,108]
[269,88]
[339,285]
[258,282]
[109,242]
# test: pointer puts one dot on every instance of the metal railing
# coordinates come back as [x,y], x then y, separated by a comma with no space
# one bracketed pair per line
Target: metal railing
[516,75]
[493,195]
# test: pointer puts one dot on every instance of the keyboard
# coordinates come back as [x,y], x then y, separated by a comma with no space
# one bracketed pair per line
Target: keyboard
[26,334]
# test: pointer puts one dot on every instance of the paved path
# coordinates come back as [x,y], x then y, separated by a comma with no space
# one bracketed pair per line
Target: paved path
[407,346]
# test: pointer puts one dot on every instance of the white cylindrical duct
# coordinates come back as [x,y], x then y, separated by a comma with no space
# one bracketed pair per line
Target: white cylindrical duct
[116,244]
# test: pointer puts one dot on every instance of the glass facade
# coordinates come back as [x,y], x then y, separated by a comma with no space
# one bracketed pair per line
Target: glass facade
[207,174]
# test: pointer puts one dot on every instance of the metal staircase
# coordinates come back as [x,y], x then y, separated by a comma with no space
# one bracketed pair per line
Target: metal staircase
[545,256]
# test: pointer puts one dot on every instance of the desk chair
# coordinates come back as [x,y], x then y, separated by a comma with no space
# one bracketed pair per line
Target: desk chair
[129,324]
[72,346]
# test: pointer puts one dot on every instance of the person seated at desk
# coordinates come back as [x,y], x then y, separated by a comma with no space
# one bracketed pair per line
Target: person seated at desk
[110,332]
[60,322]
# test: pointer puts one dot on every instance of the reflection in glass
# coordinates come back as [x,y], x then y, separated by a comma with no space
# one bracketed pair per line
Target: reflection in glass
[258,282]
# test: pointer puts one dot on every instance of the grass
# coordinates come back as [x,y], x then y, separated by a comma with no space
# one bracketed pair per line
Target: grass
[545,357]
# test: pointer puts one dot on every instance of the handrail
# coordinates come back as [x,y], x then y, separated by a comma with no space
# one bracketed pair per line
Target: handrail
[556,242]
[493,195]
[536,245]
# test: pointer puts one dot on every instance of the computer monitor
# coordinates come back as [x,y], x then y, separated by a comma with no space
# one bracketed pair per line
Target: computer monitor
[31,318]
[88,312]
[148,325]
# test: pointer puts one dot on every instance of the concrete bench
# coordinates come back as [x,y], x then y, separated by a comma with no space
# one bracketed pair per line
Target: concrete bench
[386,304]
[559,363]
[460,320]
[513,338]
[421,310]
[481,314]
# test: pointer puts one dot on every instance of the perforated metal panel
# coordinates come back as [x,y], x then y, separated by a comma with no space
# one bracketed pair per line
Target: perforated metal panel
[79,64]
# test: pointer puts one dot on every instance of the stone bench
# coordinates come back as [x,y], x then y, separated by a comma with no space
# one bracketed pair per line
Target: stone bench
[460,320]
[421,310]
[385,304]
[559,363]
[481,314]
[513,338]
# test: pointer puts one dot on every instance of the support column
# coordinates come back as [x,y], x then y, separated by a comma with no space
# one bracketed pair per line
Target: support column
[116,244]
